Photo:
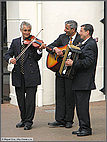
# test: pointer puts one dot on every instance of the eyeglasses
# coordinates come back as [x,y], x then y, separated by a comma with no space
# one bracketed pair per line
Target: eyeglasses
[27,30]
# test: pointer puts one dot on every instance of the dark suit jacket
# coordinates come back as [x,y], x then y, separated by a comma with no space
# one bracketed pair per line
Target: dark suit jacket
[31,67]
[85,67]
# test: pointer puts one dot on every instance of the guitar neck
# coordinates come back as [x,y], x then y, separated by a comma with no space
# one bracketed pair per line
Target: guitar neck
[48,48]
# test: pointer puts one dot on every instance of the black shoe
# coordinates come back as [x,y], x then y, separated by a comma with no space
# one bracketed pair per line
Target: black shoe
[57,124]
[27,127]
[20,124]
[84,133]
[75,132]
[68,125]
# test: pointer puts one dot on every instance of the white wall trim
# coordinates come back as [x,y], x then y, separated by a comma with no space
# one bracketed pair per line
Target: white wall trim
[39,27]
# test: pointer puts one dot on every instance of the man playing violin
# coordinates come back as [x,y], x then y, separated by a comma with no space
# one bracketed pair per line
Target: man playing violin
[25,74]
[65,103]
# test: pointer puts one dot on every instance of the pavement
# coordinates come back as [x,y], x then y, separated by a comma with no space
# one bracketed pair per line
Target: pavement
[41,131]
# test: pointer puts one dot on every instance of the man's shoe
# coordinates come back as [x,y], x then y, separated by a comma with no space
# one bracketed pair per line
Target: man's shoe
[76,132]
[68,125]
[20,124]
[57,124]
[84,133]
[27,127]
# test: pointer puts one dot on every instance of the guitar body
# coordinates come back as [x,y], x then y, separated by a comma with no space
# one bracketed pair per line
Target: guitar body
[53,63]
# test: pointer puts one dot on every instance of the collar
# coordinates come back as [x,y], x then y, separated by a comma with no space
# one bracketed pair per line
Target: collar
[25,38]
[73,37]
[85,40]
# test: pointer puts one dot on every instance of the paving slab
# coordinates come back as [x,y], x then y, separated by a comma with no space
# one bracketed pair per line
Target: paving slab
[41,131]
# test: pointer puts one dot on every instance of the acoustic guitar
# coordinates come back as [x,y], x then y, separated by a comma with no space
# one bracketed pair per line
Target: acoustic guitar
[54,61]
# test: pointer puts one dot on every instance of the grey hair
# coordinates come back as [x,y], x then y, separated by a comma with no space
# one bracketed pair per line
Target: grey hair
[72,23]
[25,23]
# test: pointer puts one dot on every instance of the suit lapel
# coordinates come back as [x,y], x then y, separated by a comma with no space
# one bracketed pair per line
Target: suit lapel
[83,45]
[76,40]
[19,48]
[26,54]
[18,45]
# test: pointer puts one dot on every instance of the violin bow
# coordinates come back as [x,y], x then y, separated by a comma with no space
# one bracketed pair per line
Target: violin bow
[18,57]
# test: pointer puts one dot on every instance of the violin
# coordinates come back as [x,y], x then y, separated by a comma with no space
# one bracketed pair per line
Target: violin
[35,41]
[32,40]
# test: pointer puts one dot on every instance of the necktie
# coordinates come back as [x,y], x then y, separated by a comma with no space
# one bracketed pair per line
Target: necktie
[22,59]
[70,41]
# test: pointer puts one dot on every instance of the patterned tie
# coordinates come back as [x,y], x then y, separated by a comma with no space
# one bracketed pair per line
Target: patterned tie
[22,59]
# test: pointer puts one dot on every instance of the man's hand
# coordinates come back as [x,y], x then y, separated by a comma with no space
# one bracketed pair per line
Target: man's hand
[58,51]
[43,46]
[69,62]
[13,61]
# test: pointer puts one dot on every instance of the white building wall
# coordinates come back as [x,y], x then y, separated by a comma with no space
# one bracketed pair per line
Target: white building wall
[51,15]
[55,13]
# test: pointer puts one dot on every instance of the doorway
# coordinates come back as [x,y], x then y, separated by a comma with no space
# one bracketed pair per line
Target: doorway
[5,75]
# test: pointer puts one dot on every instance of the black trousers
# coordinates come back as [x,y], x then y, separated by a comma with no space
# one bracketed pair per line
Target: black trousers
[65,102]
[82,108]
[26,102]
